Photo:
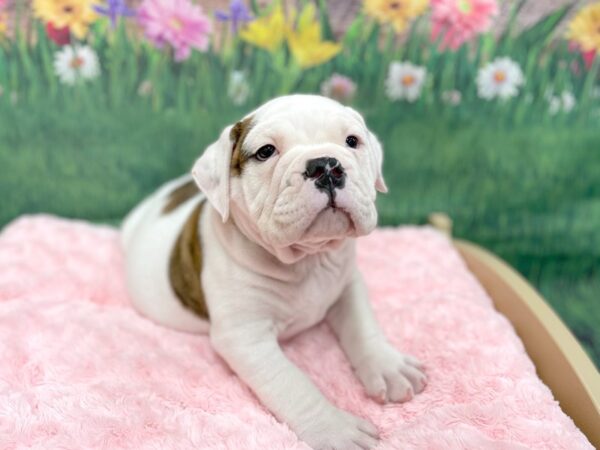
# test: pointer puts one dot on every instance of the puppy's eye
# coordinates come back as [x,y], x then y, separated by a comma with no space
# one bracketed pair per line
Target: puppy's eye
[265,152]
[352,141]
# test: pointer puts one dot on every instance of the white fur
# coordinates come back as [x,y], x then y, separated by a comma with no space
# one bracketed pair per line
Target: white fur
[277,260]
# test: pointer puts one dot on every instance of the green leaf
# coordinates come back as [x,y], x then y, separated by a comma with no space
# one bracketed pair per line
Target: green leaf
[255,7]
[588,84]
[354,30]
[539,34]
[326,29]
[505,38]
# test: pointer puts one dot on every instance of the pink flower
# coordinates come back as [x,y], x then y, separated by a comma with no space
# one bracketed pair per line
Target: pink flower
[179,23]
[338,87]
[460,20]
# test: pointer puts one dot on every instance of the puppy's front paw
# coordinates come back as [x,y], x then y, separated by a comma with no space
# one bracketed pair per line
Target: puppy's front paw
[391,376]
[339,430]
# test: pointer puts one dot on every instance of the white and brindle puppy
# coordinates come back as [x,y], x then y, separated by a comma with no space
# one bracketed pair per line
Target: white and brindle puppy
[259,244]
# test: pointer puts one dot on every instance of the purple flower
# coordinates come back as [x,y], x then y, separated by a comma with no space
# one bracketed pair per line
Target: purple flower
[114,9]
[238,13]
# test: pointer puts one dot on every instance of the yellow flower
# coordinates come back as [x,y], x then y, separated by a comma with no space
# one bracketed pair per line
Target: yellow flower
[306,44]
[266,32]
[584,29]
[3,27]
[397,12]
[75,14]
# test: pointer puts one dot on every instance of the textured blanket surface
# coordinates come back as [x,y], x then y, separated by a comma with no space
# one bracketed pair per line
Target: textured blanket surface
[80,369]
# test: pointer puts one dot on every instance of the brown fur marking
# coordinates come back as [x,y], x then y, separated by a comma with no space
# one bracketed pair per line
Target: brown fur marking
[180,195]
[185,266]
[237,135]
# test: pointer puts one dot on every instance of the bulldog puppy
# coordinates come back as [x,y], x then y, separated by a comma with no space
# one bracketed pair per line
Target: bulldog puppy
[259,244]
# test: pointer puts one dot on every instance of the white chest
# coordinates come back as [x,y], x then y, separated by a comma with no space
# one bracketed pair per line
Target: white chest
[242,282]
[305,303]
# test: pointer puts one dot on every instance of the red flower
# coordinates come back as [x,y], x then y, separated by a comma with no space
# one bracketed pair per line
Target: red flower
[588,58]
[60,36]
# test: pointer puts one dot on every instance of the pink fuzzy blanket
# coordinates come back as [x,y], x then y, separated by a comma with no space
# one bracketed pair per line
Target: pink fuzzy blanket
[80,369]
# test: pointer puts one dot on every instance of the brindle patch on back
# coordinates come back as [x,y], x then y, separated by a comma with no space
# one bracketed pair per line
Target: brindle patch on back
[185,266]
[237,135]
[180,195]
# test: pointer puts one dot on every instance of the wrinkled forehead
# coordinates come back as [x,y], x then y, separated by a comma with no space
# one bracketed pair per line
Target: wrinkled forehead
[306,119]
[301,104]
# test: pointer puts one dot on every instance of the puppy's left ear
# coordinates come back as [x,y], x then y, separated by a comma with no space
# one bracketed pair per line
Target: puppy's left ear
[379,181]
[212,171]
[378,153]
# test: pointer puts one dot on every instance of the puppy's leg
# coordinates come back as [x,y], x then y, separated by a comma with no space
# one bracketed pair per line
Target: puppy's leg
[387,374]
[252,351]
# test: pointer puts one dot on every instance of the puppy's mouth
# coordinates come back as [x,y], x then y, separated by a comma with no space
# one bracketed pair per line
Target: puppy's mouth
[331,222]
[333,207]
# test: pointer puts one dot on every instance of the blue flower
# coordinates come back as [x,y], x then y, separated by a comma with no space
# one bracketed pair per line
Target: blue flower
[237,14]
[114,9]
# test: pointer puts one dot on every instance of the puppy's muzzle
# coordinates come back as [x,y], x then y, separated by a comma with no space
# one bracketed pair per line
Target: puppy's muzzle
[328,174]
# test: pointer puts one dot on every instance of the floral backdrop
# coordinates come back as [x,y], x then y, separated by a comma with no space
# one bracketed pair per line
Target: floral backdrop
[102,100]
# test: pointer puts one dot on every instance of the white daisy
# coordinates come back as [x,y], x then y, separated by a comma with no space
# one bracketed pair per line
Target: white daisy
[76,63]
[554,105]
[565,102]
[452,97]
[568,101]
[238,89]
[145,88]
[501,78]
[404,81]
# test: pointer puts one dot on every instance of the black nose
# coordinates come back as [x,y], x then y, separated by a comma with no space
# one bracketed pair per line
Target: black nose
[328,174]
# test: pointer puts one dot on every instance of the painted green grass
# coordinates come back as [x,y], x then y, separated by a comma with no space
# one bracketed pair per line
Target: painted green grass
[530,194]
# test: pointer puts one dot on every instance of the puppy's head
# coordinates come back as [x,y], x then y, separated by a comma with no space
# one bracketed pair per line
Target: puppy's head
[301,171]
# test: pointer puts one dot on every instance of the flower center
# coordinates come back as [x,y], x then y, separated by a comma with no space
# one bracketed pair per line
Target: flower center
[76,62]
[338,90]
[175,23]
[408,80]
[499,76]
[465,6]
[395,5]
[68,9]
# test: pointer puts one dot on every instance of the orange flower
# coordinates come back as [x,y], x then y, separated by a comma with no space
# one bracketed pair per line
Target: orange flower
[584,29]
[77,15]
[397,12]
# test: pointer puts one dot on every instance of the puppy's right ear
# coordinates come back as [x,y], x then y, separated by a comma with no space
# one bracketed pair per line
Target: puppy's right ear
[212,171]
